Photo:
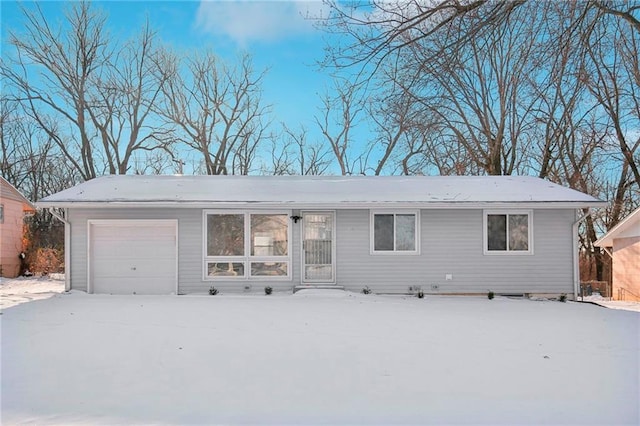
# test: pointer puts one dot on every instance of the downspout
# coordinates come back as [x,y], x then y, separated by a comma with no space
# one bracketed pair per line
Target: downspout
[576,254]
[67,246]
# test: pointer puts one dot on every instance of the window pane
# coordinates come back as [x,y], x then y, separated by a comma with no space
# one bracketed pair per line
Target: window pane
[519,232]
[269,269]
[317,252]
[383,232]
[269,234]
[406,232]
[225,269]
[318,272]
[225,235]
[496,232]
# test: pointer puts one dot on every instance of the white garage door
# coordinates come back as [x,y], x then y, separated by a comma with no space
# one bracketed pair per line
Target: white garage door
[133,257]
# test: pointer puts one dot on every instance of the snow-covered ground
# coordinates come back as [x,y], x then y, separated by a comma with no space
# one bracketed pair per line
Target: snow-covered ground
[20,290]
[613,304]
[317,357]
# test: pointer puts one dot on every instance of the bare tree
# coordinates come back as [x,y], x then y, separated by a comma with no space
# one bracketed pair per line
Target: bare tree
[28,160]
[312,158]
[476,93]
[385,28]
[379,29]
[340,112]
[92,103]
[217,111]
[482,66]
[392,115]
[615,84]
[122,110]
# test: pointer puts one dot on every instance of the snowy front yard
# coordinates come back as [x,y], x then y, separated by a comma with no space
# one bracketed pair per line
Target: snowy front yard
[317,357]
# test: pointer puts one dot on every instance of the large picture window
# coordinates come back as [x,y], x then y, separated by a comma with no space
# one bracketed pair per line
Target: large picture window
[394,232]
[507,232]
[247,245]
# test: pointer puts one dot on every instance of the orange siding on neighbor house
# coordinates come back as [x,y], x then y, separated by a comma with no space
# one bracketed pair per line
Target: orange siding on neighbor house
[626,265]
[11,236]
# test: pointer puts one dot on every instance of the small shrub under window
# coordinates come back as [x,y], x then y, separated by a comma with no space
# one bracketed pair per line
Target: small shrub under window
[268,290]
[366,290]
[490,295]
[563,298]
[420,294]
[213,291]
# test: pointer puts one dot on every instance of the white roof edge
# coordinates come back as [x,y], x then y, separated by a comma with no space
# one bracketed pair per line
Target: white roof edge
[318,192]
[23,199]
[607,239]
[320,205]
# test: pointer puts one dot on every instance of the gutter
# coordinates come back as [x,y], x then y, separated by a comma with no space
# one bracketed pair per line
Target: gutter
[312,205]
[576,254]
[67,246]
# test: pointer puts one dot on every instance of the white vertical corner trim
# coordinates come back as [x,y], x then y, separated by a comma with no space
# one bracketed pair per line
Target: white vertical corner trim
[576,251]
[67,245]
[67,252]
[129,222]
[530,233]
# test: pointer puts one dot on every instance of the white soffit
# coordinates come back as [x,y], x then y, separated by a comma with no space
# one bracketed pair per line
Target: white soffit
[628,227]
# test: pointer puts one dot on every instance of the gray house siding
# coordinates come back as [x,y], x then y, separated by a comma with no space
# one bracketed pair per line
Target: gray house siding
[451,242]
[190,245]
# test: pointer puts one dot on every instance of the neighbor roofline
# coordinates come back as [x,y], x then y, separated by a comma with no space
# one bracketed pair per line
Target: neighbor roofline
[324,205]
[31,207]
[607,239]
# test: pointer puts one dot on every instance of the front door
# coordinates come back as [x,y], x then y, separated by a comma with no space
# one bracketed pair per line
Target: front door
[318,247]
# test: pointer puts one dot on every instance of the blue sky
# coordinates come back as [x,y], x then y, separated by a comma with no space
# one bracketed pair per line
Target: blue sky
[277,33]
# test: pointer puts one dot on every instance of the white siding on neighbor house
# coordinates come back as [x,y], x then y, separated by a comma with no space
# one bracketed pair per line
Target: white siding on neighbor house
[190,246]
[452,243]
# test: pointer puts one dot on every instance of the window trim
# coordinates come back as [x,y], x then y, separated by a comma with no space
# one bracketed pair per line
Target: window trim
[507,252]
[1,213]
[247,259]
[394,252]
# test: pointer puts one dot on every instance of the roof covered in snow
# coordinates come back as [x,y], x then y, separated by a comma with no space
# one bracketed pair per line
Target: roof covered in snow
[628,227]
[317,191]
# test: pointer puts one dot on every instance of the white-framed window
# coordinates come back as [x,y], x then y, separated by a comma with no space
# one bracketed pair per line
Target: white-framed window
[508,232]
[395,232]
[247,245]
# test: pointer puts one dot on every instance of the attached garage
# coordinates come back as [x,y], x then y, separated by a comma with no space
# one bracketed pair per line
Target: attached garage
[133,256]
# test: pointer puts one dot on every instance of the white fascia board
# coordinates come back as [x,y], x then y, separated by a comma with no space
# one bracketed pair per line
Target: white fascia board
[607,239]
[320,205]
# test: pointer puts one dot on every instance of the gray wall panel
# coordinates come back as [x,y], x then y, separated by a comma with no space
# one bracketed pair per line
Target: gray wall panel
[451,243]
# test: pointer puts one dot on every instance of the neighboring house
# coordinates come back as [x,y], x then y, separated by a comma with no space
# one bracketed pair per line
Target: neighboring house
[13,208]
[622,243]
[394,234]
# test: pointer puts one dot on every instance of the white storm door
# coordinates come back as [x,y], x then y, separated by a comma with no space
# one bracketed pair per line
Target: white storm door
[132,256]
[318,247]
